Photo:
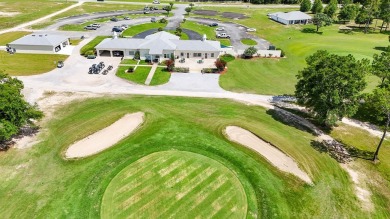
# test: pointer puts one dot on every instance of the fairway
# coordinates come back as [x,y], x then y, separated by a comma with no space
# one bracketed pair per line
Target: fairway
[174,184]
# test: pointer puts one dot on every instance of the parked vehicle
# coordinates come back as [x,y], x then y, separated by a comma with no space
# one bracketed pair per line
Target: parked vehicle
[222,35]
[95,25]
[213,25]
[153,19]
[89,27]
[126,18]
[124,26]
[251,30]
[91,57]
[146,12]
[156,2]
[117,29]
[114,19]
[220,29]
[60,64]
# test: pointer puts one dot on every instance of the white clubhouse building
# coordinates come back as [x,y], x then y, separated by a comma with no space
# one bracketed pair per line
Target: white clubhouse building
[158,47]
[292,17]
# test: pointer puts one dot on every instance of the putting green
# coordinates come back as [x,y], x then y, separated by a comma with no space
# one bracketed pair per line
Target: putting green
[175,184]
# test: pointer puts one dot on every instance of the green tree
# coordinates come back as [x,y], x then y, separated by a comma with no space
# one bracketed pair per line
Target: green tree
[317,7]
[249,52]
[321,20]
[362,17]
[384,13]
[379,100]
[15,112]
[348,12]
[171,4]
[192,5]
[381,68]
[330,85]
[188,10]
[168,9]
[305,6]
[137,55]
[331,8]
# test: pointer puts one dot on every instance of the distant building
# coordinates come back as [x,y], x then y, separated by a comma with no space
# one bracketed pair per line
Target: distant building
[158,47]
[292,17]
[40,42]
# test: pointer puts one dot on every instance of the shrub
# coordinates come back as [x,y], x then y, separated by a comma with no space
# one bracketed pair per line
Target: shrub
[163,20]
[170,64]
[160,29]
[131,69]
[184,20]
[282,54]
[220,64]
[136,55]
[249,52]
[210,70]
[182,70]
[227,57]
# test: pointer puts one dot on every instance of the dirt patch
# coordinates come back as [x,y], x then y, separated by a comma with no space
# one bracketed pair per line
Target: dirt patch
[206,12]
[8,14]
[268,151]
[233,15]
[106,137]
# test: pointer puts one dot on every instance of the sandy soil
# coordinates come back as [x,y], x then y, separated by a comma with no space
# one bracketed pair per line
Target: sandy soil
[106,137]
[272,154]
[372,129]
[363,194]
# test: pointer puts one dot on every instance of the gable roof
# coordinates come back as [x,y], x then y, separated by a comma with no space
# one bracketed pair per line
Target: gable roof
[40,40]
[158,42]
[292,15]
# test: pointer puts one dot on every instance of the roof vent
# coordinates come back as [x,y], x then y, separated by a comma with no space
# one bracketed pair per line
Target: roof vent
[204,38]
[40,35]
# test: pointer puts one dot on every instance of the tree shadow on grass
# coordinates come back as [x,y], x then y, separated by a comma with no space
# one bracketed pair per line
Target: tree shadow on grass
[382,48]
[310,30]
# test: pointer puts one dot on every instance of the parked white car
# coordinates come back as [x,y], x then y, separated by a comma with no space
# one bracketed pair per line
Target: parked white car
[223,35]
[220,29]
[156,2]
[95,25]
[251,30]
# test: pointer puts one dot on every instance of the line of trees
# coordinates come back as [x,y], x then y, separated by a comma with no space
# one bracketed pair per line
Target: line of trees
[331,86]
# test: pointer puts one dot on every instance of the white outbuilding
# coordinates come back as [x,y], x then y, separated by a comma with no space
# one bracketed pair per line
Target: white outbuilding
[292,17]
[45,43]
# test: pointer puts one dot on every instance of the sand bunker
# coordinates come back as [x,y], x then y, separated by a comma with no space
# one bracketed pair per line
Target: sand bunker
[271,153]
[106,137]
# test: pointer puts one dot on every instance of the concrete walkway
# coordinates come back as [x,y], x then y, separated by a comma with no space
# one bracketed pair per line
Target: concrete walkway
[151,74]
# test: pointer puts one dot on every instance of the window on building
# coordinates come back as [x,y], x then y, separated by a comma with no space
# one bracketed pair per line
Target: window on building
[197,55]
[131,53]
[212,55]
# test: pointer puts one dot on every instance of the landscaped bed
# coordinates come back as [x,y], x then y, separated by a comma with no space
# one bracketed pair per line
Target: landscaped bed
[180,155]
[20,64]
[138,76]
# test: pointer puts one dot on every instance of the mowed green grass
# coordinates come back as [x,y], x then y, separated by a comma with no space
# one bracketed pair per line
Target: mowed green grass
[20,64]
[134,30]
[6,38]
[277,76]
[38,181]
[28,10]
[138,76]
[161,76]
[174,184]
[90,47]
[249,42]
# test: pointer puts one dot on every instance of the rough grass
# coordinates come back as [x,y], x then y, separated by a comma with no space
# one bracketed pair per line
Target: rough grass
[138,76]
[161,76]
[28,10]
[20,64]
[90,47]
[249,42]
[277,76]
[134,30]
[173,184]
[6,38]
[37,181]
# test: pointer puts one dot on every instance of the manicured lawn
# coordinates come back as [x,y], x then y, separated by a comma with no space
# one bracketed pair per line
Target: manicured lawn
[75,42]
[90,47]
[138,76]
[129,61]
[20,64]
[161,76]
[38,181]
[272,76]
[224,42]
[143,62]
[166,197]
[134,30]
[249,42]
[28,10]
[6,38]
[200,28]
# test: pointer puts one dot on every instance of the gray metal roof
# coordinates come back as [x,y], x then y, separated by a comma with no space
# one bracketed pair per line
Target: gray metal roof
[158,42]
[292,15]
[40,40]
